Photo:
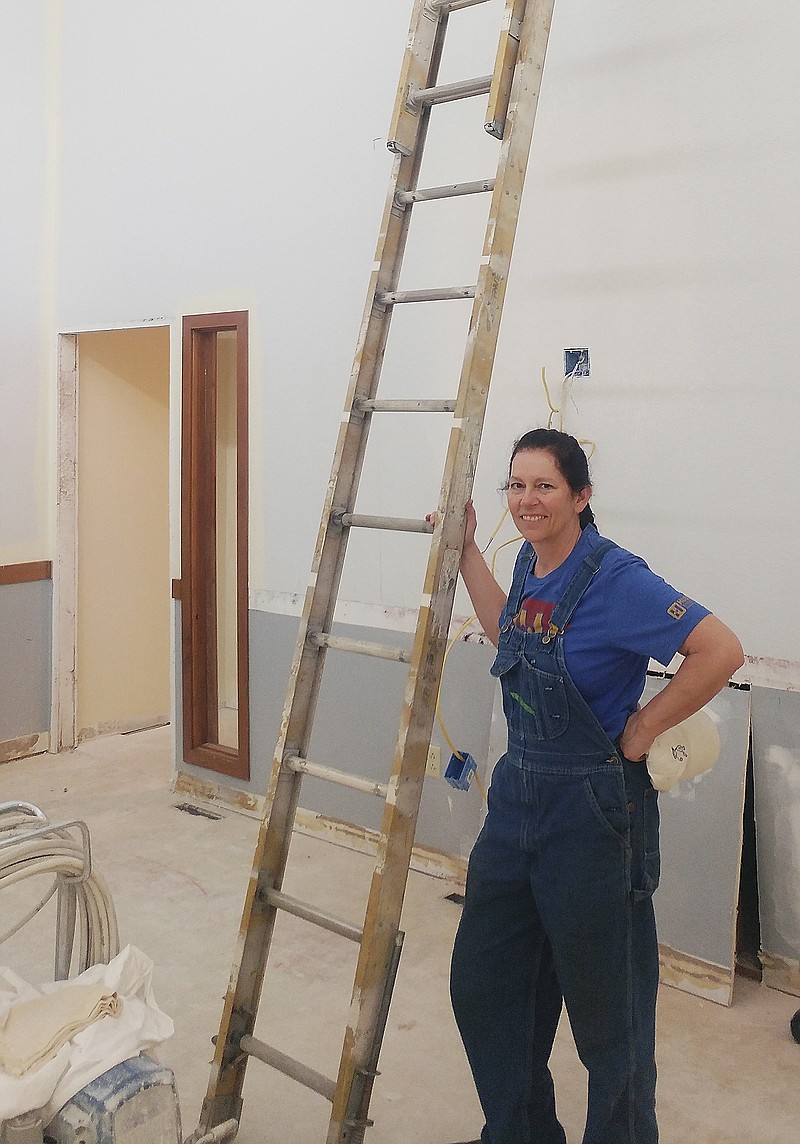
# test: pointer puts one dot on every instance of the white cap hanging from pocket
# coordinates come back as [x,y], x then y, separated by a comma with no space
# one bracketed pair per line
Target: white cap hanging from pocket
[684,751]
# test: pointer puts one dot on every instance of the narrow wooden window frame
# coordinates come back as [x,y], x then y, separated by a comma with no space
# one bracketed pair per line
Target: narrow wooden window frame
[197,591]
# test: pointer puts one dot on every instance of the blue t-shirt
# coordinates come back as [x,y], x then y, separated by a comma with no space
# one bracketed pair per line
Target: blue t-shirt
[627,616]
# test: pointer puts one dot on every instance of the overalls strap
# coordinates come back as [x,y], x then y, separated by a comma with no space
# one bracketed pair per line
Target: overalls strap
[573,594]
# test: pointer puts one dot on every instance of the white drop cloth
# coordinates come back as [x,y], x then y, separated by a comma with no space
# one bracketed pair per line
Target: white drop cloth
[139,1024]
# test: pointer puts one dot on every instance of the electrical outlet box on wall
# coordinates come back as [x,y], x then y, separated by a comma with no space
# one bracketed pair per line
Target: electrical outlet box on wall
[576,363]
[434,766]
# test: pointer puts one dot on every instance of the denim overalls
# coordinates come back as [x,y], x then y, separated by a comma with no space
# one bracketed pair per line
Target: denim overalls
[558,901]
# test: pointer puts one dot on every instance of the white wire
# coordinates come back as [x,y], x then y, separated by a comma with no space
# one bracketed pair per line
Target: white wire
[60,855]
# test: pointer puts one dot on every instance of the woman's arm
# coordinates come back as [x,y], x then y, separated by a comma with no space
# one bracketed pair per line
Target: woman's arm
[712,654]
[488,598]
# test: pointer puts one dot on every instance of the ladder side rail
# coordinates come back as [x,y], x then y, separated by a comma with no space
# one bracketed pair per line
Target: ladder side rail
[505,64]
[223,1098]
[391,871]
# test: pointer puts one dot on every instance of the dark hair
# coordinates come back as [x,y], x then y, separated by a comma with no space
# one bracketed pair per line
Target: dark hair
[569,457]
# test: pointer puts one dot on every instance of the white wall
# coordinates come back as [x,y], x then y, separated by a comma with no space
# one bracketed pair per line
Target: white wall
[25,281]
[233,157]
[195,156]
[657,229]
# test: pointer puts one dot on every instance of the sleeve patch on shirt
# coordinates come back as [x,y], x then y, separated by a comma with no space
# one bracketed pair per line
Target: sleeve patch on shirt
[680,607]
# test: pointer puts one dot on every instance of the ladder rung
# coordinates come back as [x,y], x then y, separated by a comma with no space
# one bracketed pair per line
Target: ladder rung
[445,294]
[452,191]
[311,914]
[288,1066]
[363,405]
[453,5]
[331,775]
[360,647]
[447,92]
[391,523]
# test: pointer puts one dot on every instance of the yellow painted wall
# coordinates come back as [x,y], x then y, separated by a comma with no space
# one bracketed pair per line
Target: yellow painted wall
[123,646]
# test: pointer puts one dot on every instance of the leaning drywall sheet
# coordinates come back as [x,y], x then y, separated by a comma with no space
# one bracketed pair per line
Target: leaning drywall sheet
[776,774]
[701,851]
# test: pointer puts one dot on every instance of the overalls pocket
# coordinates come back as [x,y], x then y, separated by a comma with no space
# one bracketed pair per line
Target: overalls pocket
[535,702]
[549,698]
[644,819]
[606,795]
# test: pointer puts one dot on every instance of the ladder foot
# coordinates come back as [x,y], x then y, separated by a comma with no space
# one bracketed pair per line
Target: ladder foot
[225,1131]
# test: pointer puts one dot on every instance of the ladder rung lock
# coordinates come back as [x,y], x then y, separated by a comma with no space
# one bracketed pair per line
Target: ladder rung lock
[445,294]
[363,405]
[452,191]
[448,92]
[317,917]
[331,775]
[391,523]
[288,1066]
[359,647]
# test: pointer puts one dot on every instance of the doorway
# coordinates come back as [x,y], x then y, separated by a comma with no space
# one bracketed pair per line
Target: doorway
[112,639]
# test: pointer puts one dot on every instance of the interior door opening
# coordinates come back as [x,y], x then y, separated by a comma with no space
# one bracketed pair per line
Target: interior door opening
[114,534]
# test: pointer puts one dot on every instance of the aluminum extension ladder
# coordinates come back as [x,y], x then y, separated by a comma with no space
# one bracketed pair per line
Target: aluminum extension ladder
[513,95]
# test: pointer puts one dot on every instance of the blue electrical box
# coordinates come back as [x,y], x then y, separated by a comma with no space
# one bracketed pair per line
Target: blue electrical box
[459,770]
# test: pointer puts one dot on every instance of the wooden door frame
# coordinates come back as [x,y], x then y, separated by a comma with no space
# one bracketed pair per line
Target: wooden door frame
[197,585]
[65,567]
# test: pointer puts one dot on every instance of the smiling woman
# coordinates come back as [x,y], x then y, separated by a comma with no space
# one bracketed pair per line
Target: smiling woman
[544,506]
[558,904]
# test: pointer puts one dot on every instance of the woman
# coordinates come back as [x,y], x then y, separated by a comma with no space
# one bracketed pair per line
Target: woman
[558,898]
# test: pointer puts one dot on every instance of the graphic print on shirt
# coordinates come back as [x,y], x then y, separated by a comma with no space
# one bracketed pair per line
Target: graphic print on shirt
[534,615]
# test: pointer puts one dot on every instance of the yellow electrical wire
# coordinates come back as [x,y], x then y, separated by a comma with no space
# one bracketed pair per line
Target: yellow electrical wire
[553,409]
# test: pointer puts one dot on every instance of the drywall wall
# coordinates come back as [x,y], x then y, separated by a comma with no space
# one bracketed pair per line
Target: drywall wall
[25,661]
[701,851]
[657,228]
[172,159]
[355,728]
[776,767]
[123,614]
[26,284]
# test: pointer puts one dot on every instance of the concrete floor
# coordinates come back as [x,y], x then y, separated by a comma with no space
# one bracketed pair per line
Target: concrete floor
[727,1076]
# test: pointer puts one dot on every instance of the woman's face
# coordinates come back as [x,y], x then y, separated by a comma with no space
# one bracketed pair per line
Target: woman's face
[542,505]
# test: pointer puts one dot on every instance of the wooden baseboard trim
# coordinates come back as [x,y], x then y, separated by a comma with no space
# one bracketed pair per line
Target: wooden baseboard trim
[26,745]
[26,573]
[123,726]
[425,860]
[781,973]
[690,974]
[242,801]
